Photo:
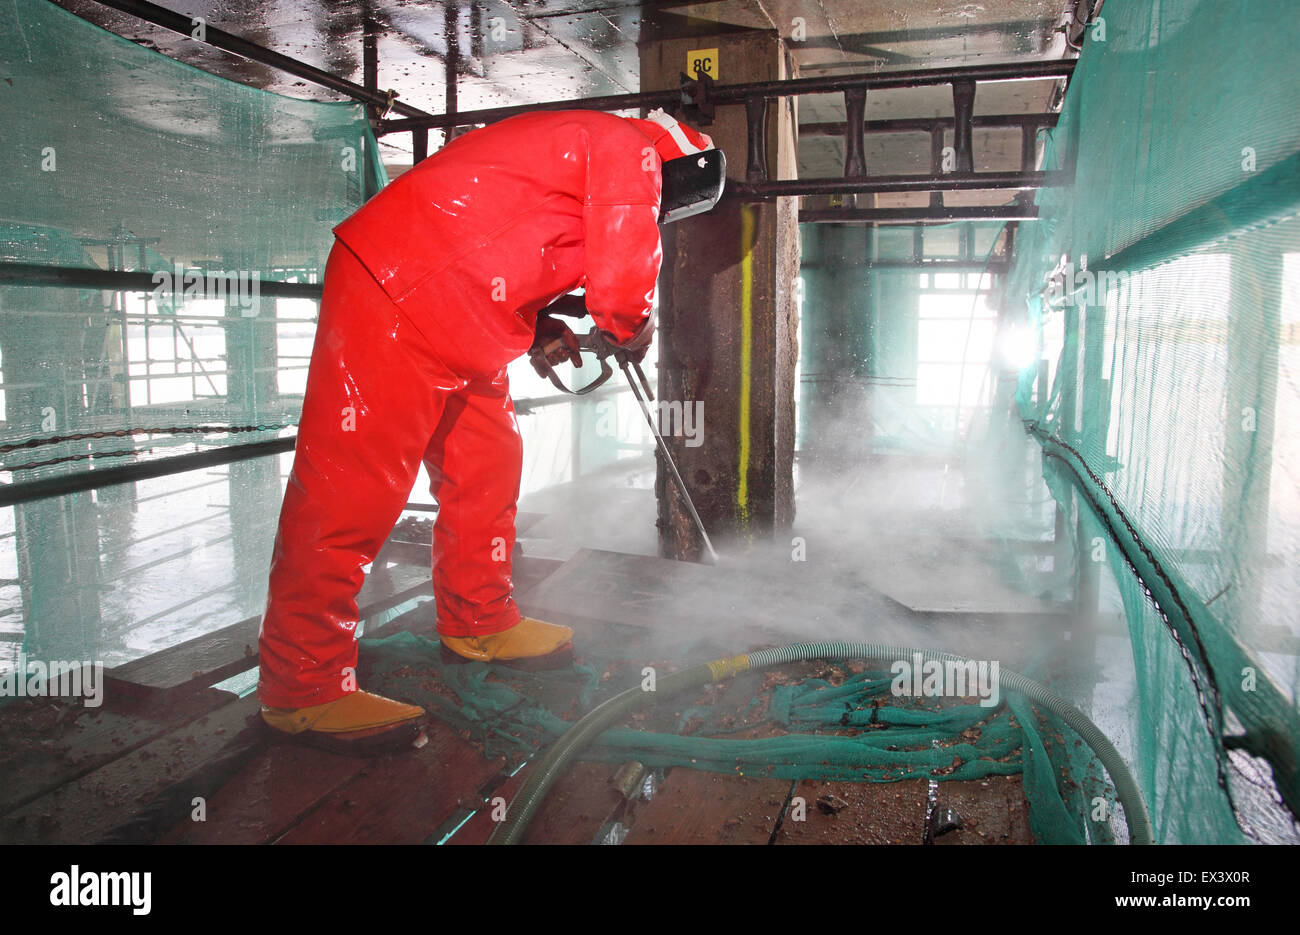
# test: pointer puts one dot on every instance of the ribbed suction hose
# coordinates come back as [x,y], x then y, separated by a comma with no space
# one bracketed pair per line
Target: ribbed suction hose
[604,716]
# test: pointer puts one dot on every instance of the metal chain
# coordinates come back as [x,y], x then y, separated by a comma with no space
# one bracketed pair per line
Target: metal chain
[30,465]
[122,433]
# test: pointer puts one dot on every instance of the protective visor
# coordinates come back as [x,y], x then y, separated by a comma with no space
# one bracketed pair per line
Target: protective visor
[692,184]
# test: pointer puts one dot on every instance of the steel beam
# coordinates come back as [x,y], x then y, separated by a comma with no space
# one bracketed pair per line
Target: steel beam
[929,124]
[740,93]
[451,24]
[942,265]
[963,108]
[26,491]
[69,277]
[756,125]
[228,42]
[951,182]
[855,160]
[930,215]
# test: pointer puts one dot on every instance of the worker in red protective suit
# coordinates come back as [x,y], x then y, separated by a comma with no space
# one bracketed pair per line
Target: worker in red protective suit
[432,288]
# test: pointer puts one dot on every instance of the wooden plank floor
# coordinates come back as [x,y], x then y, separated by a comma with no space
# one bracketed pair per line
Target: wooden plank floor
[398,799]
[992,811]
[710,808]
[856,813]
[268,798]
[97,770]
[46,743]
[82,810]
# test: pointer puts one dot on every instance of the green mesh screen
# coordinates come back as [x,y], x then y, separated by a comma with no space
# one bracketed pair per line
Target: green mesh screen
[117,158]
[1120,406]
[841,725]
[1157,462]
[1161,287]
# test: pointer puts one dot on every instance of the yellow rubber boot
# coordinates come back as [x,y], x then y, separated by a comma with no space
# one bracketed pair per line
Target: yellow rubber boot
[358,723]
[528,644]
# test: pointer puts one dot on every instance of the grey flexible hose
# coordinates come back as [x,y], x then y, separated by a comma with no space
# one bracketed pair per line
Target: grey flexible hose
[548,769]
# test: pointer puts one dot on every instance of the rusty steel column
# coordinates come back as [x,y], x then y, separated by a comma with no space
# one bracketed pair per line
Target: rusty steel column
[728,336]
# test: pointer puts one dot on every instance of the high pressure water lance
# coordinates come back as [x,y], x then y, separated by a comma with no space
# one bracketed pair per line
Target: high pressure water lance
[556,344]
[692,183]
[624,364]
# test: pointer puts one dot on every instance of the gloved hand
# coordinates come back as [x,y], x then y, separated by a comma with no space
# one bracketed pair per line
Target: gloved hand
[634,348]
[553,343]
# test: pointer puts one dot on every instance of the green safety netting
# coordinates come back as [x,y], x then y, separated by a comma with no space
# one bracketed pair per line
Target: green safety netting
[1162,285]
[1123,438]
[1156,417]
[118,158]
[847,728]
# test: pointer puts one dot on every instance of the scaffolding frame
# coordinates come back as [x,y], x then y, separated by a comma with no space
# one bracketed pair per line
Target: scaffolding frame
[697,97]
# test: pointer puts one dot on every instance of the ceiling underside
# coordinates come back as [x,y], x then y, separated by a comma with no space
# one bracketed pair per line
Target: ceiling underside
[525,51]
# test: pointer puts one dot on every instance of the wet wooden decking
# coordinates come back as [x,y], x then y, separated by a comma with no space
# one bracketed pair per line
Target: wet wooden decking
[73,774]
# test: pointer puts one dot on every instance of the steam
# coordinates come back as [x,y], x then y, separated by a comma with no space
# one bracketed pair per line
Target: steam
[873,537]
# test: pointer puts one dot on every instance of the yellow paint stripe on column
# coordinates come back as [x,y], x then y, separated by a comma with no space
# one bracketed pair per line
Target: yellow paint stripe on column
[746,353]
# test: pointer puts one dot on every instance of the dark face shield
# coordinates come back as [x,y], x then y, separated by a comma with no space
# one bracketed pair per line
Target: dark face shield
[692,185]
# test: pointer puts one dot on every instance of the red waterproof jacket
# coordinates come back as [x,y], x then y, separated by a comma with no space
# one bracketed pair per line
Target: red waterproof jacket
[476,239]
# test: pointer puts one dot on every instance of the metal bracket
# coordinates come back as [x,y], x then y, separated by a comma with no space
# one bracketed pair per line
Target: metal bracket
[697,98]
[390,98]
[544,357]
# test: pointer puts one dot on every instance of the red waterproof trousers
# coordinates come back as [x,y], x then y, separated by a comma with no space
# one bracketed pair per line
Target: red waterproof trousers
[379,401]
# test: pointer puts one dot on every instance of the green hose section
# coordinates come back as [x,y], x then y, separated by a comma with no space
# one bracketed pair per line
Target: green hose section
[528,800]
